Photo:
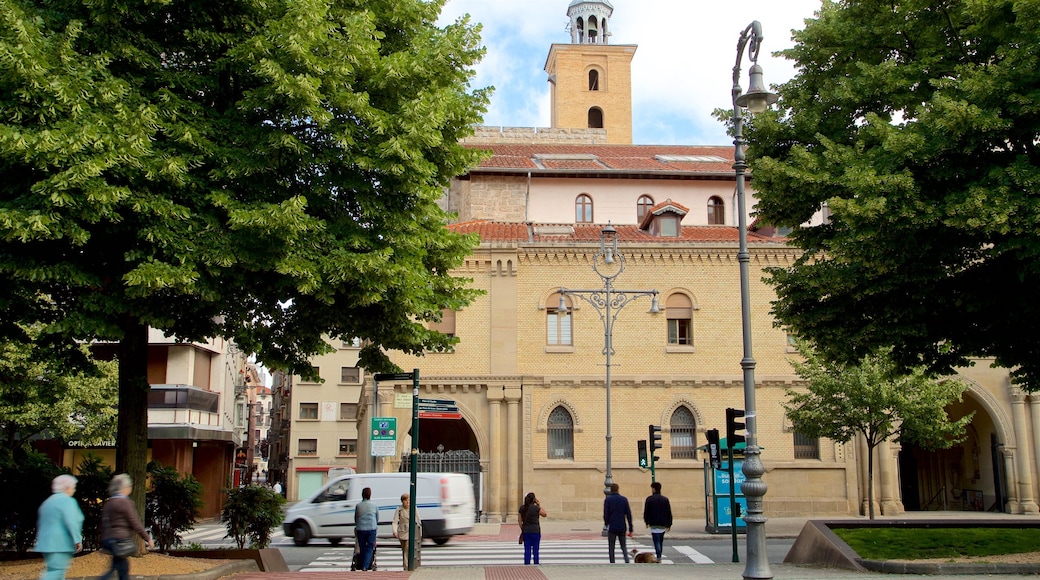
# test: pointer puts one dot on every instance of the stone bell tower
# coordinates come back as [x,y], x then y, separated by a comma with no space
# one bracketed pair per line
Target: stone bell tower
[591,79]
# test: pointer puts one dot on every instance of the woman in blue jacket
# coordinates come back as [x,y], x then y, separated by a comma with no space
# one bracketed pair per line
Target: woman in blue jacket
[59,528]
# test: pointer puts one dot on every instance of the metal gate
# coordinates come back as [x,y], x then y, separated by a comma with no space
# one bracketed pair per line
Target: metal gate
[457,461]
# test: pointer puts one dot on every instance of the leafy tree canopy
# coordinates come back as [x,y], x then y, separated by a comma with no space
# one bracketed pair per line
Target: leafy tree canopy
[264,171]
[39,396]
[915,124]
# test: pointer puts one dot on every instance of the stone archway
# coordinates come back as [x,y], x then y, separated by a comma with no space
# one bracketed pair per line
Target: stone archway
[962,478]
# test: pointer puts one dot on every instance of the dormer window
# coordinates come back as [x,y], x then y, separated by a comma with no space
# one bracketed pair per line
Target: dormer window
[664,220]
[667,226]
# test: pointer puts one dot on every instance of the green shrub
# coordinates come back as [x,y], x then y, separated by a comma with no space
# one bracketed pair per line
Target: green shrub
[25,481]
[91,492]
[171,505]
[252,512]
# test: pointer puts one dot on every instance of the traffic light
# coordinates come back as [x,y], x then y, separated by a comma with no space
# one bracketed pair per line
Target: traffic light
[732,426]
[714,452]
[641,444]
[655,443]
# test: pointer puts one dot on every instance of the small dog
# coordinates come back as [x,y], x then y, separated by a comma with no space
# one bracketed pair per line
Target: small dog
[643,557]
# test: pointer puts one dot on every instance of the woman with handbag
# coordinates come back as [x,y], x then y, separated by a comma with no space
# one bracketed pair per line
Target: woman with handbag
[530,527]
[119,524]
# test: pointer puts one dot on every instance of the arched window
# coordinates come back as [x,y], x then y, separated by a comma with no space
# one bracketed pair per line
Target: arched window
[684,434]
[716,211]
[557,327]
[595,118]
[593,80]
[581,31]
[583,209]
[593,33]
[679,310]
[643,205]
[560,428]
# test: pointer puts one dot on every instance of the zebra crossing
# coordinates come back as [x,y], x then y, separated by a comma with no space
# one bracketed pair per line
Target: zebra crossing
[473,553]
[213,536]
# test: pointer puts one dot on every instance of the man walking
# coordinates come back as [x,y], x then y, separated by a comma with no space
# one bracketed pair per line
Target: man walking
[616,512]
[657,515]
[366,522]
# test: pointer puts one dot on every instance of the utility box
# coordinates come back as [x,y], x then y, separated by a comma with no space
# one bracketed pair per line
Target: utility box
[718,510]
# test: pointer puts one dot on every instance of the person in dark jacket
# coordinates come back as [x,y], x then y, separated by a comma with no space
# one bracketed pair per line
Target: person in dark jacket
[616,512]
[657,515]
[119,521]
[531,527]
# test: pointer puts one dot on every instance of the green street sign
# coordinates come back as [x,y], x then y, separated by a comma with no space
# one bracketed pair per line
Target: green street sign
[384,428]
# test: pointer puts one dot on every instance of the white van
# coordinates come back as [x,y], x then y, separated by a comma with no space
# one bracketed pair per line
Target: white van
[445,505]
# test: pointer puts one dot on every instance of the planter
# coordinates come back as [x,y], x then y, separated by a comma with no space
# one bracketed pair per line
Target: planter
[267,559]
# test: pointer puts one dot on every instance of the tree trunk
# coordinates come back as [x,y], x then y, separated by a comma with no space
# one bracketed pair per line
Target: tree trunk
[132,424]
[870,479]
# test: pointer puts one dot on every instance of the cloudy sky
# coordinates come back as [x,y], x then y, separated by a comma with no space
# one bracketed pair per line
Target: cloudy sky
[681,72]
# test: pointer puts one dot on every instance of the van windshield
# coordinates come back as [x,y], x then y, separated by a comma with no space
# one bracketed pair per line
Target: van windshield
[335,492]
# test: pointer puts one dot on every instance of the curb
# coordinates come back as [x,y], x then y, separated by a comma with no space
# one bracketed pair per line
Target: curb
[952,569]
[211,574]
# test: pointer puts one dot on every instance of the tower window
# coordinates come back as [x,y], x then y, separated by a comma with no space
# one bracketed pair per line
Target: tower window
[643,205]
[595,118]
[716,211]
[593,80]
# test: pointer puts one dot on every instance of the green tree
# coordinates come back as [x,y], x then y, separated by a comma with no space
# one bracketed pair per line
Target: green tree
[873,398]
[915,124]
[41,397]
[263,171]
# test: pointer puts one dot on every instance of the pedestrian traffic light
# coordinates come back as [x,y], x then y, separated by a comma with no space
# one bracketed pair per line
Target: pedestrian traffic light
[641,445]
[655,443]
[714,452]
[732,427]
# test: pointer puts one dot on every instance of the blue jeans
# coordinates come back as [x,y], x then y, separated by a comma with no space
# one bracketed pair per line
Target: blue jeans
[532,541]
[57,564]
[658,543]
[121,566]
[367,545]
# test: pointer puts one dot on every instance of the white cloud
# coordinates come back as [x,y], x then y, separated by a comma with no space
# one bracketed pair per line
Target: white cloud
[681,72]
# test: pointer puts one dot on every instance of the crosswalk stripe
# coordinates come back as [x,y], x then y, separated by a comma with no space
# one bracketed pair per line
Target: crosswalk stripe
[480,553]
[694,555]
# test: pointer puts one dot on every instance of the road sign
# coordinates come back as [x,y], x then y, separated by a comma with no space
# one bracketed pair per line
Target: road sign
[436,403]
[439,415]
[384,436]
[394,376]
[384,428]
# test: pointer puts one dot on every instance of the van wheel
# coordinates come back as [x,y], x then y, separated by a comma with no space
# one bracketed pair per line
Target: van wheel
[335,541]
[440,541]
[301,534]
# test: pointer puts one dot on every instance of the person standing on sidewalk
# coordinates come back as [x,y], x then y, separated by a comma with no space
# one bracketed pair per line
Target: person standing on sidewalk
[366,522]
[401,524]
[616,512]
[657,515]
[530,527]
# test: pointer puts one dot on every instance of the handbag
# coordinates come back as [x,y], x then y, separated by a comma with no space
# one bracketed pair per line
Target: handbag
[123,547]
[606,531]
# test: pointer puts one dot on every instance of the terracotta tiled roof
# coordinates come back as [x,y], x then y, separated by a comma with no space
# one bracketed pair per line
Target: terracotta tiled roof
[491,231]
[574,158]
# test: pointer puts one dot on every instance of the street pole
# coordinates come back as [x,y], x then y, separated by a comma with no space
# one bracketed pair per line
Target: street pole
[608,264]
[757,99]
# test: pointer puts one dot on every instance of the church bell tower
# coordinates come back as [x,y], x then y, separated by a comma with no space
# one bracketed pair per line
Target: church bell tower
[590,79]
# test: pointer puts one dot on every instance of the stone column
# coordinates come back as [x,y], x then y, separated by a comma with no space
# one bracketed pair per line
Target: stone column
[888,477]
[862,467]
[514,438]
[496,499]
[1007,455]
[1023,466]
[1034,416]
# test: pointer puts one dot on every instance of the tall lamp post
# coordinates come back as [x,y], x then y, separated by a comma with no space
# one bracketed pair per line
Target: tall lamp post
[756,99]
[608,263]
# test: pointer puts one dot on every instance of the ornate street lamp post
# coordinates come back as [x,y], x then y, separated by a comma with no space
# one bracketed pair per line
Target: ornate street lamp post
[757,99]
[608,263]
